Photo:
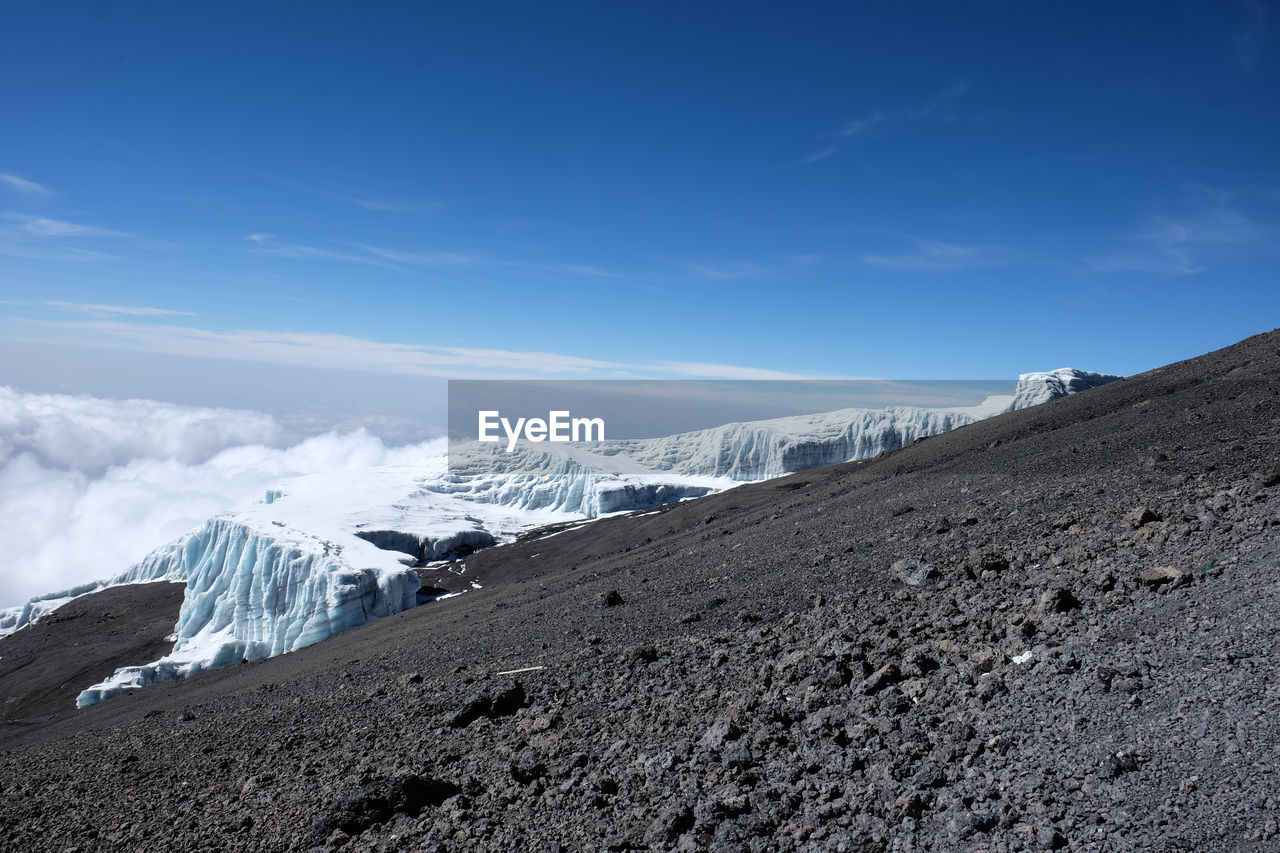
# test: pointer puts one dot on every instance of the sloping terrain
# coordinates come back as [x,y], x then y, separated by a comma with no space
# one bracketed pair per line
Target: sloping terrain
[45,665]
[323,553]
[1051,630]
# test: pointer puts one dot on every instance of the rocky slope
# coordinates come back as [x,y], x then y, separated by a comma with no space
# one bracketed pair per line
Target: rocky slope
[43,666]
[1053,630]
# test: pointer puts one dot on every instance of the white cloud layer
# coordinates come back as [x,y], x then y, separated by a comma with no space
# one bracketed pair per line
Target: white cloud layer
[89,486]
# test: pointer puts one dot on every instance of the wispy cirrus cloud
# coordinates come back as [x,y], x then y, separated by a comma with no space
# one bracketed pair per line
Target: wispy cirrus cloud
[384,206]
[24,186]
[1166,260]
[44,226]
[733,270]
[35,251]
[404,260]
[821,154]
[725,371]
[436,258]
[927,255]
[1249,37]
[1187,244]
[330,350]
[267,244]
[939,107]
[428,258]
[365,202]
[43,238]
[126,310]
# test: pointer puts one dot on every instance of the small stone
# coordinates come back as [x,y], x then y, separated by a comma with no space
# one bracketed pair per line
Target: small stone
[929,776]
[1158,575]
[738,755]
[1058,600]
[526,768]
[883,677]
[719,732]
[659,764]
[1125,761]
[644,654]
[909,805]
[1049,838]
[914,572]
[980,561]
[502,703]
[1140,516]
[989,684]
[612,598]
[670,823]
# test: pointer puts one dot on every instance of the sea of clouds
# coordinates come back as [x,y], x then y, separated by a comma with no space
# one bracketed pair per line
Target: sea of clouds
[89,486]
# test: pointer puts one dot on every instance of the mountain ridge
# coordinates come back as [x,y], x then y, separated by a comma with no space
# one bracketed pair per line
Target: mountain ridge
[1052,629]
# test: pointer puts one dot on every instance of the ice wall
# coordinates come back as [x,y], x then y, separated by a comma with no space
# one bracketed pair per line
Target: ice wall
[630,474]
[252,595]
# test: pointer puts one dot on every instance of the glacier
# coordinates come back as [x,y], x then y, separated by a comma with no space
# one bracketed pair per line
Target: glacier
[328,552]
[619,475]
[320,555]
[251,596]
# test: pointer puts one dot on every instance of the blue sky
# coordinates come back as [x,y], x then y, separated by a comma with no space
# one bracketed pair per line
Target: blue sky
[640,189]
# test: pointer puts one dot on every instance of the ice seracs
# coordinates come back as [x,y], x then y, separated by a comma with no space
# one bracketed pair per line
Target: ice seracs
[624,474]
[325,554]
[250,596]
[1036,388]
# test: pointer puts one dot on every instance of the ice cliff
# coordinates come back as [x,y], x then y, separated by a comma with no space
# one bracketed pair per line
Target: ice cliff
[322,555]
[253,594]
[631,474]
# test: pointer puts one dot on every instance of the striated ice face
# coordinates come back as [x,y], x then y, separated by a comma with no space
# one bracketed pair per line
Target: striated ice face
[632,474]
[1036,388]
[325,554]
[252,595]
[329,552]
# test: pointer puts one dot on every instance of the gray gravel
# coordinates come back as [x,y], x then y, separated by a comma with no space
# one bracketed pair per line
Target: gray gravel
[1054,630]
